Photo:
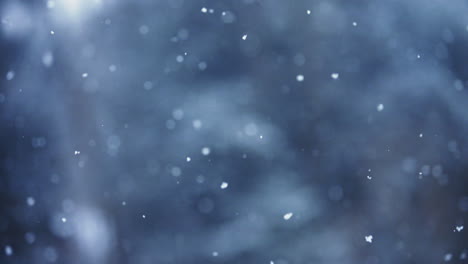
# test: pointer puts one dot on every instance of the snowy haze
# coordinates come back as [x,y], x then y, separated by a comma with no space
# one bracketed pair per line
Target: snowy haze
[249,131]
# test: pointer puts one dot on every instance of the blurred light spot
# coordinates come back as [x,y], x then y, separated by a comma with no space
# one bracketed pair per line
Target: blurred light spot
[148,85]
[369,238]
[93,233]
[200,179]
[300,78]
[8,250]
[30,237]
[250,129]
[30,201]
[143,29]
[299,59]
[224,185]
[202,66]
[10,75]
[50,4]
[16,20]
[228,17]
[176,171]
[458,85]
[113,144]
[380,107]
[448,257]
[205,151]
[47,59]
[178,114]
[197,124]
[180,58]
[335,75]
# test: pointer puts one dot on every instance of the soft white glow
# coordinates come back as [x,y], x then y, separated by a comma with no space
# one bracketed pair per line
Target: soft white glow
[74,11]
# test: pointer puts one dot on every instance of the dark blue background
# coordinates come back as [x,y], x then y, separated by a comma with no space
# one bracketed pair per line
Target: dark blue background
[99,118]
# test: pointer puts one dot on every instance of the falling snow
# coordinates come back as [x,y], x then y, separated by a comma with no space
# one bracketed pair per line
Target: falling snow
[287,216]
[186,132]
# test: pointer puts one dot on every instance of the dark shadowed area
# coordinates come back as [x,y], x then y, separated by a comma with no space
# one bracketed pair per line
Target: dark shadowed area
[221,131]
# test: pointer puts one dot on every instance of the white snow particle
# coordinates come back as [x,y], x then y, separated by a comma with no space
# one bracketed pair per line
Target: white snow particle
[369,238]
[335,75]
[143,216]
[188,159]
[204,10]
[300,78]
[77,152]
[52,32]
[308,11]
[459,228]
[84,75]
[380,107]
[64,220]
[224,185]
[421,135]
[369,177]
[205,151]
[354,24]
[287,216]
[215,254]
[244,37]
